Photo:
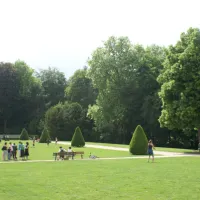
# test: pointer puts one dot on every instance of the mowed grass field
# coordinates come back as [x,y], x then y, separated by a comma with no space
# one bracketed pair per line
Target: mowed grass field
[166,179]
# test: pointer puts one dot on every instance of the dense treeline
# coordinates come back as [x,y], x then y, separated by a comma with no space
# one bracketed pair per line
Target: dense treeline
[124,85]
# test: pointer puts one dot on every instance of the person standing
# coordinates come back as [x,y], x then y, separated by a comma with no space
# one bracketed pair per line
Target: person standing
[150,150]
[5,151]
[26,152]
[11,149]
[19,149]
[14,151]
[34,141]
[22,151]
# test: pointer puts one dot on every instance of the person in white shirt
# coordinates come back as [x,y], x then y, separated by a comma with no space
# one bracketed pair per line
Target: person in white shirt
[71,151]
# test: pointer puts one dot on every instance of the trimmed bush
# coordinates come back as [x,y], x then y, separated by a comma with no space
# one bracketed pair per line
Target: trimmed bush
[44,136]
[77,139]
[139,142]
[24,135]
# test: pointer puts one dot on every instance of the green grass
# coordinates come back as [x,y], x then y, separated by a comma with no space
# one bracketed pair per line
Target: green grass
[44,152]
[166,179]
[157,148]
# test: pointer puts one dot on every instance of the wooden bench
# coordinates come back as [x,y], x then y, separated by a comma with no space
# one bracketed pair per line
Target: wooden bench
[66,155]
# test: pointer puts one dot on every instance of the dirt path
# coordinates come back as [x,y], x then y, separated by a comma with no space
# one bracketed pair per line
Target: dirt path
[163,153]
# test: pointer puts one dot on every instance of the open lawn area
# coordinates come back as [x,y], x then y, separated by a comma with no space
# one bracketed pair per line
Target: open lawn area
[167,178]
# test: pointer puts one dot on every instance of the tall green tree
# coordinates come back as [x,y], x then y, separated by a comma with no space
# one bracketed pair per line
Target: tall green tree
[80,89]
[31,103]
[62,119]
[125,76]
[9,92]
[180,84]
[54,84]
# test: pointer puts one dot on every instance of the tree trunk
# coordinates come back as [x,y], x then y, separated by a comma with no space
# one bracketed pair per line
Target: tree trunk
[5,126]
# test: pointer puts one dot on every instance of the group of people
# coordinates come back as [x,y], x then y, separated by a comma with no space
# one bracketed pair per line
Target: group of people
[61,156]
[11,151]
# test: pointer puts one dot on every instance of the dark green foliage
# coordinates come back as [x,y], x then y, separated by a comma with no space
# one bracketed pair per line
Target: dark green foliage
[45,136]
[139,142]
[77,139]
[24,135]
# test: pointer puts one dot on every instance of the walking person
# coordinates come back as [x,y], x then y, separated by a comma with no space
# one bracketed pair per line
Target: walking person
[150,150]
[48,141]
[26,152]
[34,141]
[56,140]
[5,151]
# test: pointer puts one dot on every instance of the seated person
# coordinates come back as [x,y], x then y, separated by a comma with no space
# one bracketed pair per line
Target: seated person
[60,151]
[71,151]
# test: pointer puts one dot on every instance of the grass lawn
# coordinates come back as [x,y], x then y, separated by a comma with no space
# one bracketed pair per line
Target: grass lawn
[166,179]
[44,152]
[157,148]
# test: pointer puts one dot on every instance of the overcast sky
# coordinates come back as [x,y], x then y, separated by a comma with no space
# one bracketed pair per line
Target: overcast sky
[63,33]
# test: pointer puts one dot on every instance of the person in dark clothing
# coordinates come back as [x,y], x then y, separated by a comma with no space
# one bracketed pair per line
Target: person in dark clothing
[150,150]
[26,152]
[14,151]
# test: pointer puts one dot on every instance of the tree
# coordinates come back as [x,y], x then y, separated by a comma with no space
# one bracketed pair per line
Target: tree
[80,89]
[125,76]
[24,135]
[30,101]
[53,83]
[44,136]
[138,143]
[9,92]
[77,139]
[62,119]
[180,84]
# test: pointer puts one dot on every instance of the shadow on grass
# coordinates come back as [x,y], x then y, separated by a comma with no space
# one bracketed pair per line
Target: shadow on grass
[193,153]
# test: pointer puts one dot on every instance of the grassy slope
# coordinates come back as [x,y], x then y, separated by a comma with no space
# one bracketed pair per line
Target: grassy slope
[172,179]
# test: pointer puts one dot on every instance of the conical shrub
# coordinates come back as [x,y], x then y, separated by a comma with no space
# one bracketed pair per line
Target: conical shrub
[24,135]
[44,136]
[77,139]
[139,142]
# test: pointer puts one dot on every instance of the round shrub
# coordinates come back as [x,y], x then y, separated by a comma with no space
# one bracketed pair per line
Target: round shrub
[44,136]
[77,139]
[24,135]
[139,142]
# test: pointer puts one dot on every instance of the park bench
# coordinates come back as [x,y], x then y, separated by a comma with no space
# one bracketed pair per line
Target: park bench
[66,155]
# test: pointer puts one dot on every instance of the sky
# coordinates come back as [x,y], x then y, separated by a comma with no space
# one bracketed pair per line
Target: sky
[64,33]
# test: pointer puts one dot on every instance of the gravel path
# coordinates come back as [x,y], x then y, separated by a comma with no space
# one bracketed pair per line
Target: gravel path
[163,153]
